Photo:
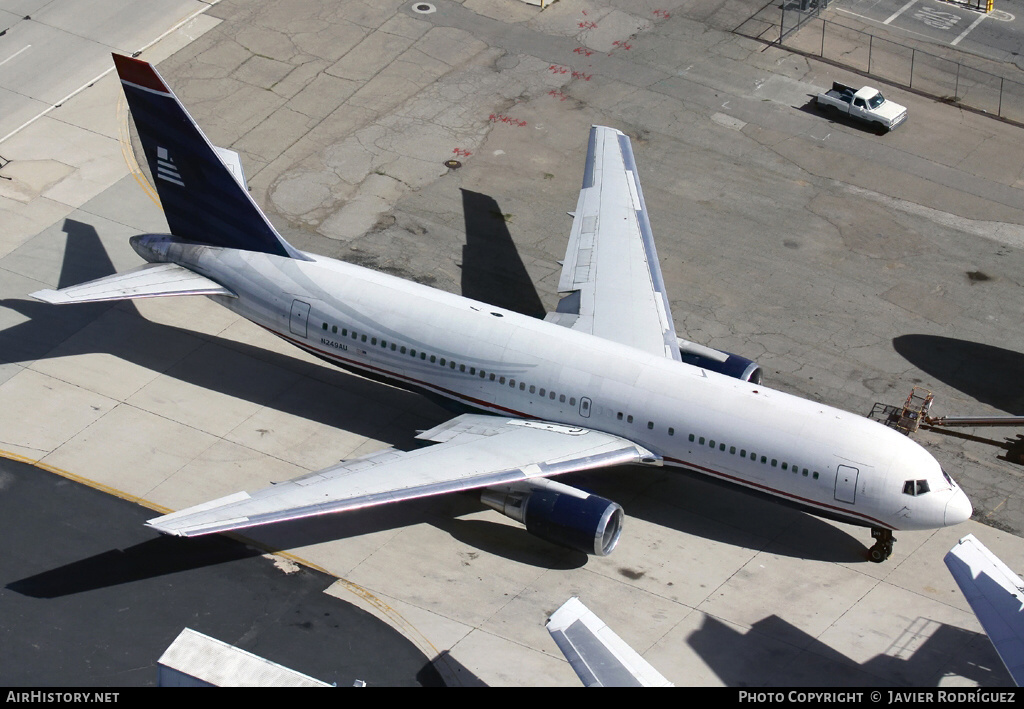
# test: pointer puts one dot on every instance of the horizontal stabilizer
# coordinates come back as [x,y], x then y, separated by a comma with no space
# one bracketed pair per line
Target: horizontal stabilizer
[151,280]
[233,162]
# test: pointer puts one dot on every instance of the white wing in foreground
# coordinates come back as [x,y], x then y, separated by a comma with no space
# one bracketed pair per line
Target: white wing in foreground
[611,268]
[599,657]
[996,595]
[471,451]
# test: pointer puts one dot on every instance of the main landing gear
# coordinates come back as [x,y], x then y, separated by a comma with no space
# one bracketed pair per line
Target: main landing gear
[882,549]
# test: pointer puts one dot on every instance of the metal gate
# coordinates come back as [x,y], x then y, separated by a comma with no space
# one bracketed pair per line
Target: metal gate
[846,484]
[299,319]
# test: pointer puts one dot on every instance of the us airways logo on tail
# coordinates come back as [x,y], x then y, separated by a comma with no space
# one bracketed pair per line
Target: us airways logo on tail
[165,168]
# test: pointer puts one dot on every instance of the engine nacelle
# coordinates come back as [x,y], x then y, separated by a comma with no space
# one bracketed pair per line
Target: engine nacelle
[560,514]
[726,363]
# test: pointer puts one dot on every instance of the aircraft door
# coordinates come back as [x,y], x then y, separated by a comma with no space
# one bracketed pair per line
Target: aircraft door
[585,405]
[299,319]
[846,484]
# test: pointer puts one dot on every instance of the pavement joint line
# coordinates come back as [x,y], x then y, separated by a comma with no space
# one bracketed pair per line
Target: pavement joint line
[395,618]
[59,103]
[87,84]
[84,481]
[391,616]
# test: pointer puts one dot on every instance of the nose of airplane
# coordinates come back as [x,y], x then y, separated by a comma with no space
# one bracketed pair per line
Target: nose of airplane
[958,509]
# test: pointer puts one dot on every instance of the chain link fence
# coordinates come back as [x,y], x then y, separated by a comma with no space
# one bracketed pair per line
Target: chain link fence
[924,72]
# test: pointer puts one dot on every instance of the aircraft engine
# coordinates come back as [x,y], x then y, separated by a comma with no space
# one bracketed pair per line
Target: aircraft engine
[722,362]
[560,514]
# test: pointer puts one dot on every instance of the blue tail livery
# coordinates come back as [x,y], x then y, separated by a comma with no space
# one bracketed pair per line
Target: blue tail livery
[202,200]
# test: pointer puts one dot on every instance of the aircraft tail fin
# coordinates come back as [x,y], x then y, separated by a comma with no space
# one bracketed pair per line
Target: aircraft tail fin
[202,200]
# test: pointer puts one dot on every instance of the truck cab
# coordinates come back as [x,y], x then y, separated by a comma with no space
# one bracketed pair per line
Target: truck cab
[865,104]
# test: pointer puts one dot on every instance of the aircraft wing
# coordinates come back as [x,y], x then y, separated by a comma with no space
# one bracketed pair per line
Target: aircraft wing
[611,270]
[996,595]
[470,451]
[150,280]
[599,657]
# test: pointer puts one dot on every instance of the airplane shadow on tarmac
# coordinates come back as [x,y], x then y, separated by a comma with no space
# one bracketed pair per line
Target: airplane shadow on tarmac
[50,332]
[779,654]
[986,373]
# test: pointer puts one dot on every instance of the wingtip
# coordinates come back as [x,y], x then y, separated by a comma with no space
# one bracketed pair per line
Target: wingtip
[140,73]
[48,295]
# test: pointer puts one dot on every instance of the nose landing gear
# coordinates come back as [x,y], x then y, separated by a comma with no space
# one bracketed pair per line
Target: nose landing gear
[882,548]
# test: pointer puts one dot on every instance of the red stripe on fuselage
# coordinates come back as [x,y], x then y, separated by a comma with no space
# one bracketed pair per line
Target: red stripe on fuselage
[395,375]
[779,493]
[671,461]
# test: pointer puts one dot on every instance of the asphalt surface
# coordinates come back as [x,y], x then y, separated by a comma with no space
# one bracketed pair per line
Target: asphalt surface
[851,266]
[92,598]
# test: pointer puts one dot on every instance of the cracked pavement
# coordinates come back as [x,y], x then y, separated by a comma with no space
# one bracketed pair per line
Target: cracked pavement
[764,211]
[851,266]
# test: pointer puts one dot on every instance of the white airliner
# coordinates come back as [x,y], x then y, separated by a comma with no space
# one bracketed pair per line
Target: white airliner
[603,381]
[996,595]
[598,656]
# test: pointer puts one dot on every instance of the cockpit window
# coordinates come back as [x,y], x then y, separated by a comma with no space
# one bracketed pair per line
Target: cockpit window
[915,487]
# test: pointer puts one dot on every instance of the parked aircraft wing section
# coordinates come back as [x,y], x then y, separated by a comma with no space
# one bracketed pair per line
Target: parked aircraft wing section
[996,595]
[611,271]
[472,451]
[599,657]
[150,280]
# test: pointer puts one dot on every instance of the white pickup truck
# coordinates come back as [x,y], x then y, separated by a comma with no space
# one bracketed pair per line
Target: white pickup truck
[866,104]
